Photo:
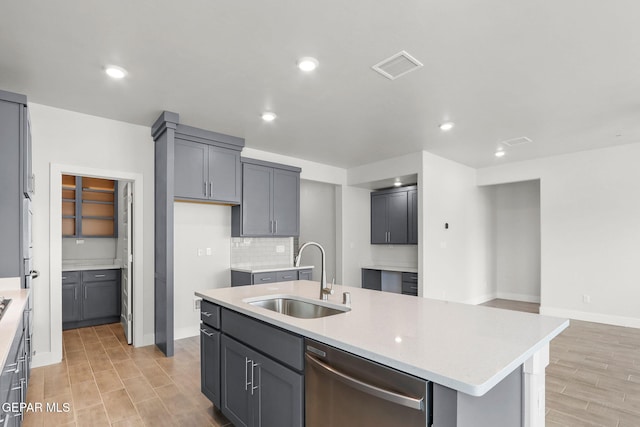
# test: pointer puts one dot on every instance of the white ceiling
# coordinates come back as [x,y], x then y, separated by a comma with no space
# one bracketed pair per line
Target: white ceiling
[565,73]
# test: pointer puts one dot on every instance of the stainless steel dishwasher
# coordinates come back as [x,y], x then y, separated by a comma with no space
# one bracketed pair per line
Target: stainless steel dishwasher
[344,390]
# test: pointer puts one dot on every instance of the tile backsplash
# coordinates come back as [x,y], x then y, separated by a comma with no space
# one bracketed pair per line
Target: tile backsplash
[261,252]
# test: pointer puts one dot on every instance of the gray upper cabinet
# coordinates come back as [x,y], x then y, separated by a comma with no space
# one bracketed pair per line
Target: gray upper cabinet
[392,217]
[270,201]
[206,172]
[16,182]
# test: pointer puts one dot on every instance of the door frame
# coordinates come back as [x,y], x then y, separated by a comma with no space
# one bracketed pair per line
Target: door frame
[55,247]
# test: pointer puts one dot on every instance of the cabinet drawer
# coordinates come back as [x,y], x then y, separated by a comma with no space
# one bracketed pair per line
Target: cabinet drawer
[210,314]
[283,346]
[410,277]
[409,288]
[70,277]
[259,278]
[284,276]
[100,275]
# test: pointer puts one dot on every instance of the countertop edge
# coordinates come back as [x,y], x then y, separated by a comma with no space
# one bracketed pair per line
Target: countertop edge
[271,269]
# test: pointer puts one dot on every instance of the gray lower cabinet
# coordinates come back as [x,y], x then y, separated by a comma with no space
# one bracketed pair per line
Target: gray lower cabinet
[394,219]
[270,201]
[206,172]
[14,378]
[375,280]
[242,278]
[272,394]
[210,352]
[251,371]
[410,284]
[90,298]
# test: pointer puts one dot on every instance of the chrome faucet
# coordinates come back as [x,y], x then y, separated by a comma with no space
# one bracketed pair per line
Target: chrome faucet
[325,291]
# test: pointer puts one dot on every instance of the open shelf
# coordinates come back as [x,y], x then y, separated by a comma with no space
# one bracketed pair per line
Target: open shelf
[89,207]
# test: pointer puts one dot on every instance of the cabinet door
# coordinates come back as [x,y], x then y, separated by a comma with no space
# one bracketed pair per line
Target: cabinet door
[27,168]
[256,200]
[235,381]
[379,219]
[210,364]
[278,398]
[191,170]
[260,278]
[100,299]
[412,238]
[397,218]
[224,174]
[71,299]
[286,203]
[305,274]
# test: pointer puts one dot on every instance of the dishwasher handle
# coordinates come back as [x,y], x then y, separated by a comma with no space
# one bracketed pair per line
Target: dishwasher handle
[400,399]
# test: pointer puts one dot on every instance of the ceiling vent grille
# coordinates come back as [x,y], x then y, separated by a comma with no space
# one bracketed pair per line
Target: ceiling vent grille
[397,65]
[514,142]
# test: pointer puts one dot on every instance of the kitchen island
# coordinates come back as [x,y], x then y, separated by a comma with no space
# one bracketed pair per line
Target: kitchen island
[462,349]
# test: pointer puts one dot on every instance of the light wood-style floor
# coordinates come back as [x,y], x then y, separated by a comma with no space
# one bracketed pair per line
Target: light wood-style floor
[593,378]
[109,383]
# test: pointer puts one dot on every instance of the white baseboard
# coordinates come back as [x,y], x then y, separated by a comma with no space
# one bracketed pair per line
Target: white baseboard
[481,299]
[43,359]
[518,297]
[630,322]
[187,332]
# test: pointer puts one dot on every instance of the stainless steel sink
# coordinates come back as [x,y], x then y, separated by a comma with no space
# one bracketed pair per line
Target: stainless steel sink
[297,308]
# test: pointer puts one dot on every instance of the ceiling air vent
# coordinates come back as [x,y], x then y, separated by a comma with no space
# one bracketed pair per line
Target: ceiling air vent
[514,142]
[397,65]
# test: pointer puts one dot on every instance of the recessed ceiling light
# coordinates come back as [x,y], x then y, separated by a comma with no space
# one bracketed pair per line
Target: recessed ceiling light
[500,153]
[268,116]
[397,183]
[446,126]
[308,63]
[115,72]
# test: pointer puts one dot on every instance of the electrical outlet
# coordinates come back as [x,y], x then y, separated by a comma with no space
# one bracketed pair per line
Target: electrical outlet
[586,299]
[199,252]
[280,249]
[196,304]
[79,241]
[208,251]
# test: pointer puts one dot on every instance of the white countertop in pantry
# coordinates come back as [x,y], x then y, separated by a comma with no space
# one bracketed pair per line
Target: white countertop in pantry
[91,264]
[269,268]
[464,347]
[392,268]
[11,320]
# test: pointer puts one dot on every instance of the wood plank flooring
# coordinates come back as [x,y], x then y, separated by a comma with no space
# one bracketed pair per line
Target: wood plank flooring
[109,383]
[593,378]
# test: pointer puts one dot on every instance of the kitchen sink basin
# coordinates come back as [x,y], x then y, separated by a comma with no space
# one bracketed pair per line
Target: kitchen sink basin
[297,308]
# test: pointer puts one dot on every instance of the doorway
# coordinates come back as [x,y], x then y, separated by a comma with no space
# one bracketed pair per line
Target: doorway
[131,183]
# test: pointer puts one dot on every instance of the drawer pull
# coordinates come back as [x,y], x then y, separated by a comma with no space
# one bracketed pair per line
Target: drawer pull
[100,275]
[414,278]
[205,313]
[204,331]
[64,277]
[264,279]
[287,277]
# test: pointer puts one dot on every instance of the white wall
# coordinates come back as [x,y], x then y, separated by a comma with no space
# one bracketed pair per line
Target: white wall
[318,224]
[70,138]
[456,263]
[590,231]
[517,243]
[356,226]
[90,249]
[198,226]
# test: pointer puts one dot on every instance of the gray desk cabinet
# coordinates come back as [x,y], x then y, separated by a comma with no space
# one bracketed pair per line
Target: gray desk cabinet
[90,298]
[206,172]
[392,219]
[16,182]
[270,201]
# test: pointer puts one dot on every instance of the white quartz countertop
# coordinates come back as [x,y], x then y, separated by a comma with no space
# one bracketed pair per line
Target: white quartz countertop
[269,269]
[90,265]
[467,348]
[392,268]
[11,320]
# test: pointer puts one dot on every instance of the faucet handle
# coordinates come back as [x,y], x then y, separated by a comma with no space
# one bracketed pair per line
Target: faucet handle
[346,298]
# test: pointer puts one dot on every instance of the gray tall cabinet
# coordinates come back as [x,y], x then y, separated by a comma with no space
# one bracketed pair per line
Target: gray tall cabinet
[16,187]
[191,164]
